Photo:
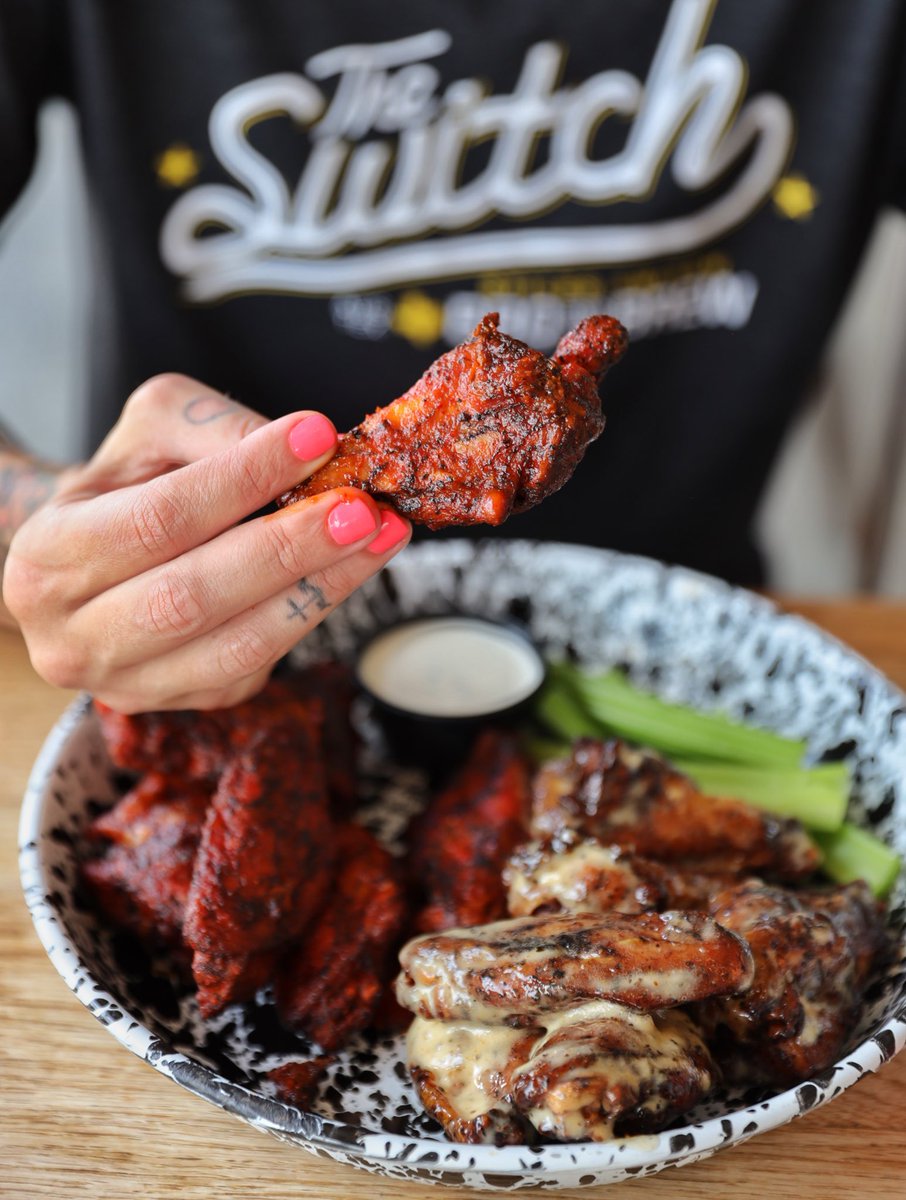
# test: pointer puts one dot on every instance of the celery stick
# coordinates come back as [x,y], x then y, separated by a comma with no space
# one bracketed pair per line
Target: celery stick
[558,709]
[684,732]
[852,853]
[816,796]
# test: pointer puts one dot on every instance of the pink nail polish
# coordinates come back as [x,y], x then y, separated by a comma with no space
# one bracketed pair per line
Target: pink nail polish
[350,521]
[393,530]
[312,437]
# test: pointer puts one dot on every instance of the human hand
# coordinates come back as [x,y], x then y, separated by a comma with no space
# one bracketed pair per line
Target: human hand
[136,582]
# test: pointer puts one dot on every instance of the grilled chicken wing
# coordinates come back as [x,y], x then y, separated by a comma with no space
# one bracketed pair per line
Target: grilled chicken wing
[516,971]
[331,982]
[152,833]
[634,799]
[491,428]
[459,845]
[264,861]
[593,1072]
[603,1070]
[813,951]
[571,873]
[462,1072]
[197,745]
[333,685]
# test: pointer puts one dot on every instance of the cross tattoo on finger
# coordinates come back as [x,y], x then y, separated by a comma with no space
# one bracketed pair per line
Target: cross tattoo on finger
[312,596]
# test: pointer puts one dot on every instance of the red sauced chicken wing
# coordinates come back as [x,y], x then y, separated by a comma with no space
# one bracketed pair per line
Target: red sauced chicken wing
[152,835]
[332,980]
[459,845]
[197,745]
[490,429]
[265,859]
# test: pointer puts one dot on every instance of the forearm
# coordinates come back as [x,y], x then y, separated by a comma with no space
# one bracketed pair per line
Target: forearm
[25,484]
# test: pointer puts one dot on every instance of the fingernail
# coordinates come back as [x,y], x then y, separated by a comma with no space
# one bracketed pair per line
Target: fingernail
[350,521]
[312,437]
[393,530]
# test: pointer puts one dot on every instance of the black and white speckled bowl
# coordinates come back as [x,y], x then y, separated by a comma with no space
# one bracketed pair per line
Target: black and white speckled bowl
[691,639]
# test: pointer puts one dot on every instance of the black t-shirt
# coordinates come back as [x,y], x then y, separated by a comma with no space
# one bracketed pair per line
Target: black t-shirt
[304,203]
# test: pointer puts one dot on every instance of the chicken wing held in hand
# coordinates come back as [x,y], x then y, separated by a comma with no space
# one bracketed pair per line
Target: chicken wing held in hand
[490,429]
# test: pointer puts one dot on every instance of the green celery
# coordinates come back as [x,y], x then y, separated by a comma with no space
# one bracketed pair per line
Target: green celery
[816,796]
[620,708]
[558,708]
[853,853]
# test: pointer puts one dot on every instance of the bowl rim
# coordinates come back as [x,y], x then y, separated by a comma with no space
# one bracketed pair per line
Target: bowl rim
[670,1147]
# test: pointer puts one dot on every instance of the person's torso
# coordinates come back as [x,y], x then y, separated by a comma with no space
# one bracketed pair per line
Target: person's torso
[306,203]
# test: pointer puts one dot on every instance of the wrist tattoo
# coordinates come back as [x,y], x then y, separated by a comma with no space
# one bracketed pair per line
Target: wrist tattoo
[24,486]
[202,410]
[311,597]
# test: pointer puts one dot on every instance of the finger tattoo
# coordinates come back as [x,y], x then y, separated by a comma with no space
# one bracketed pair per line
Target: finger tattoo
[311,597]
[202,410]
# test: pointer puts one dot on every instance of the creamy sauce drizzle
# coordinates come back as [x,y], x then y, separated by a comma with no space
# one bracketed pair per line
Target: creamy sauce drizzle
[465,1059]
[474,1064]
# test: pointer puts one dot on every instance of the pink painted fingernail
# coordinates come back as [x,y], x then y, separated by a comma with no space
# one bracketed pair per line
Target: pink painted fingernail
[350,521]
[393,530]
[312,437]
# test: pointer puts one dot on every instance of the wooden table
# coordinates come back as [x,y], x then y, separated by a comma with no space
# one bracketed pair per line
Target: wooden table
[80,1117]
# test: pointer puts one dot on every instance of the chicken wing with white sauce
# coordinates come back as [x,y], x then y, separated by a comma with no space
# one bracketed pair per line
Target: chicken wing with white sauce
[571,873]
[513,972]
[634,799]
[813,951]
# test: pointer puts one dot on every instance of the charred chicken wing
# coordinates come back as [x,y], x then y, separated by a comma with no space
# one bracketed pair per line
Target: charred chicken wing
[460,844]
[604,1070]
[634,799]
[264,862]
[491,428]
[331,982]
[462,1072]
[518,971]
[333,685]
[813,951]
[595,1071]
[143,879]
[197,745]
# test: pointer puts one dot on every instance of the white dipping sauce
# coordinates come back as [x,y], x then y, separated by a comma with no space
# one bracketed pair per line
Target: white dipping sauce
[450,667]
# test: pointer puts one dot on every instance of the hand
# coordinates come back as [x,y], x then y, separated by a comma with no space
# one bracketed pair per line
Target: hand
[136,581]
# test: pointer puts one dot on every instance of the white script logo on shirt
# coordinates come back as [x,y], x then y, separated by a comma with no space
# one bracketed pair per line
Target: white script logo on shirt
[392,210]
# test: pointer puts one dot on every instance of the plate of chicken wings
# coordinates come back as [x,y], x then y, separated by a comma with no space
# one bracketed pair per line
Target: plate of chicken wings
[516,976]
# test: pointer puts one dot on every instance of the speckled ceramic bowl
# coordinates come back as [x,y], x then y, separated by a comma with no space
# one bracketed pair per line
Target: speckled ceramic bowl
[689,638]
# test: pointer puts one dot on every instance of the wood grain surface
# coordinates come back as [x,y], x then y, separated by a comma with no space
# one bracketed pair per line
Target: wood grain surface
[81,1118]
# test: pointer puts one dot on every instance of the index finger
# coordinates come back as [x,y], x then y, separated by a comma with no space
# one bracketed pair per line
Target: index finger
[149,524]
